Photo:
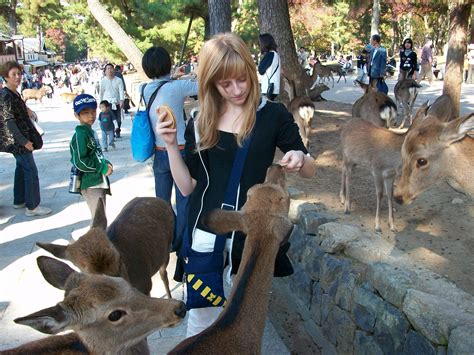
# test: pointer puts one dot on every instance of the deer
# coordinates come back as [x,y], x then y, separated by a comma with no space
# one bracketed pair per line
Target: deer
[322,72]
[434,150]
[376,149]
[406,91]
[302,109]
[264,219]
[36,94]
[107,314]
[135,246]
[375,106]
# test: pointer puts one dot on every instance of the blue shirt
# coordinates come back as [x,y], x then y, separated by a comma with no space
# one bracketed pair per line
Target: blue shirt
[172,94]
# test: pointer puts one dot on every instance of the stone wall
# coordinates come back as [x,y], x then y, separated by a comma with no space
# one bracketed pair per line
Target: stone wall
[364,296]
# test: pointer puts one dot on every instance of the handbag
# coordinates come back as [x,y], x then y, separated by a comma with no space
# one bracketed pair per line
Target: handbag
[203,271]
[142,139]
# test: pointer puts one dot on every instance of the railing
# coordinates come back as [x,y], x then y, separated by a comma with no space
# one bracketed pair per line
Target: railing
[6,57]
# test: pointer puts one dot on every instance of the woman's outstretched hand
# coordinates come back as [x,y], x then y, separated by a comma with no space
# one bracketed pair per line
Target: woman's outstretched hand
[162,128]
[292,160]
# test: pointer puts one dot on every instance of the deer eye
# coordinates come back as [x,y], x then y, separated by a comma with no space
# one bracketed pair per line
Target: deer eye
[116,315]
[421,162]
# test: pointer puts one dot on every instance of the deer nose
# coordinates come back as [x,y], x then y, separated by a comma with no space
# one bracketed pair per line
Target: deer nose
[180,311]
[398,199]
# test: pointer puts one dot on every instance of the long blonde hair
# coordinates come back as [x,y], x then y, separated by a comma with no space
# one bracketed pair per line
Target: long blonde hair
[224,56]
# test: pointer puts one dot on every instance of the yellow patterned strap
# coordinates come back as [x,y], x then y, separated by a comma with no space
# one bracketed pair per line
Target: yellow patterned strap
[205,291]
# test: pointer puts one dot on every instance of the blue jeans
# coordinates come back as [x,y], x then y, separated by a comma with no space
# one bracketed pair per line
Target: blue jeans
[26,186]
[107,138]
[163,186]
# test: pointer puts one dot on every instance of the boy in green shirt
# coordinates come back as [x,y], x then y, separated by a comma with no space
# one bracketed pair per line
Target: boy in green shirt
[86,154]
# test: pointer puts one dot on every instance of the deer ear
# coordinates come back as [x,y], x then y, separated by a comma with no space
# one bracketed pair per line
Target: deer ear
[221,221]
[100,220]
[458,129]
[57,250]
[420,114]
[276,175]
[49,320]
[54,271]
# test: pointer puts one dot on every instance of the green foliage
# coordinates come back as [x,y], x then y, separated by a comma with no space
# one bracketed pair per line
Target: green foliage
[245,23]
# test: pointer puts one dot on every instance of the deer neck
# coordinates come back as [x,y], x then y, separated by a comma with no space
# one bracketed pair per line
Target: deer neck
[251,291]
[459,164]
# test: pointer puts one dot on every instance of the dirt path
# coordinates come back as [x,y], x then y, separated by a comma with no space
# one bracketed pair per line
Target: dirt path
[435,232]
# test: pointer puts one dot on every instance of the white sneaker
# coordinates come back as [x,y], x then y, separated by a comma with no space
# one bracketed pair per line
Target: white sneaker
[38,211]
[20,205]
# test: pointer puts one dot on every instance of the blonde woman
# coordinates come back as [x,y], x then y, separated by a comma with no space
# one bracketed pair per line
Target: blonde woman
[229,98]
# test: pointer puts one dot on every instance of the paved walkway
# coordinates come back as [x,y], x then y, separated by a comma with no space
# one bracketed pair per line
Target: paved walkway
[22,287]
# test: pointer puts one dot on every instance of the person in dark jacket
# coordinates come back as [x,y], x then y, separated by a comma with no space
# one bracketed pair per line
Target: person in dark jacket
[106,122]
[19,137]
[408,59]
[86,154]
[228,114]
[377,64]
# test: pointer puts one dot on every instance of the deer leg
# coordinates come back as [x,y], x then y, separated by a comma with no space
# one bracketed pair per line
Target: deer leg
[164,277]
[388,182]
[379,193]
[347,202]
[342,192]
[332,80]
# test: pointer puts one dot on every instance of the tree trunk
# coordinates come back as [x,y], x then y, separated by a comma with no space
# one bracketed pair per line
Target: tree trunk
[274,18]
[183,48]
[374,26]
[12,17]
[219,16]
[395,38]
[120,38]
[457,43]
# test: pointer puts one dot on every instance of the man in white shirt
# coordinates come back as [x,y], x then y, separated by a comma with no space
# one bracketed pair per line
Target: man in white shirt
[112,90]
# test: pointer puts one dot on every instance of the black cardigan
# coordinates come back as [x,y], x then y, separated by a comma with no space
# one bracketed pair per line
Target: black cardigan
[275,128]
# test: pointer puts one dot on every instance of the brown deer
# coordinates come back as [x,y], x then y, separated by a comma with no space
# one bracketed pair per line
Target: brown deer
[376,149]
[321,71]
[264,218]
[36,94]
[406,91]
[435,150]
[107,314]
[375,106]
[302,109]
[135,246]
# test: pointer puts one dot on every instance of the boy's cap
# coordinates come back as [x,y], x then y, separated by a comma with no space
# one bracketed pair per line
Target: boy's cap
[84,101]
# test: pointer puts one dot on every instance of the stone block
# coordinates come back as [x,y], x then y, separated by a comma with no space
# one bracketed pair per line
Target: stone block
[336,236]
[345,330]
[434,317]
[326,307]
[365,344]
[329,327]
[311,220]
[390,281]
[366,308]
[441,350]
[316,303]
[296,193]
[298,241]
[461,340]
[343,297]
[390,329]
[297,207]
[311,261]
[331,268]
[415,343]
[302,285]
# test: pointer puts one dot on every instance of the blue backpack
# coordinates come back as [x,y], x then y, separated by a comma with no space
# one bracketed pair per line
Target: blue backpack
[143,138]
